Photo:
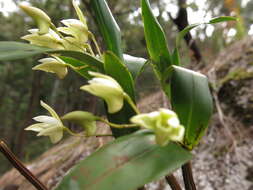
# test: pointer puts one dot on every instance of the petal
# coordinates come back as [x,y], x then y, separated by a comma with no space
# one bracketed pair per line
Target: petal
[50,130]
[56,137]
[99,75]
[47,119]
[36,127]
[43,40]
[145,120]
[114,103]
[178,134]
[40,17]
[50,110]
[79,13]
[54,67]
[174,122]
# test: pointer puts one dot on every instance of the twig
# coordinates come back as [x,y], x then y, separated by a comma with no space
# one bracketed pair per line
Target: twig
[20,167]
[172,181]
[188,177]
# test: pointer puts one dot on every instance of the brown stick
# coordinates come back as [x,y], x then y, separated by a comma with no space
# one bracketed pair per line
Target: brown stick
[188,177]
[20,167]
[172,181]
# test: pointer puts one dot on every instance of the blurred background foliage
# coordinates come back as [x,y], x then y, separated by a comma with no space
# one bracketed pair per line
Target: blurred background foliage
[21,88]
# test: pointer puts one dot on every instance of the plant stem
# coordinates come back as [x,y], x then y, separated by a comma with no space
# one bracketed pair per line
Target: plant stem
[78,135]
[188,177]
[120,126]
[95,42]
[20,167]
[131,103]
[172,181]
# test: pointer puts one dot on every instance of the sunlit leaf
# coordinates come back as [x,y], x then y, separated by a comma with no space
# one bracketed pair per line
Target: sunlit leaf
[222,19]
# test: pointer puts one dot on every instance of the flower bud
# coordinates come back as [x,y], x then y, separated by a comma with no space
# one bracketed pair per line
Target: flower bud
[85,119]
[41,18]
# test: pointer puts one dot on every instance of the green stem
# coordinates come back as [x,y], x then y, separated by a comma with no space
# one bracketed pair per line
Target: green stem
[116,125]
[95,42]
[188,177]
[72,133]
[78,135]
[131,103]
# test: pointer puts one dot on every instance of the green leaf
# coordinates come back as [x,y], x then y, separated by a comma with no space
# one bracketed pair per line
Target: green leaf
[84,68]
[107,26]
[222,19]
[10,50]
[175,57]
[17,50]
[134,64]
[155,38]
[83,57]
[127,163]
[192,101]
[115,68]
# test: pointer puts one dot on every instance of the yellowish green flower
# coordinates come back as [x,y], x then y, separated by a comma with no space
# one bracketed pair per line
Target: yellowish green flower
[164,123]
[53,65]
[41,18]
[50,39]
[49,125]
[106,88]
[84,119]
[76,29]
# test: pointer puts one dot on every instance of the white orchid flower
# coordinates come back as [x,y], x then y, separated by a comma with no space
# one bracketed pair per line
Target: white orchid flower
[164,123]
[41,18]
[49,125]
[106,88]
[53,65]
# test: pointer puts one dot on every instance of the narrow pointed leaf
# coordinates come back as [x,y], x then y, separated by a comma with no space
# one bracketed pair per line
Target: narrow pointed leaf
[127,163]
[222,19]
[10,50]
[134,64]
[182,33]
[192,101]
[155,38]
[107,26]
[16,50]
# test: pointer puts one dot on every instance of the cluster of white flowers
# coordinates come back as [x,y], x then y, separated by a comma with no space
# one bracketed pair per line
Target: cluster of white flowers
[73,36]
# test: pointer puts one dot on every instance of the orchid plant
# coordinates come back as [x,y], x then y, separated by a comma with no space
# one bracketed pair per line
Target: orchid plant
[161,140]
